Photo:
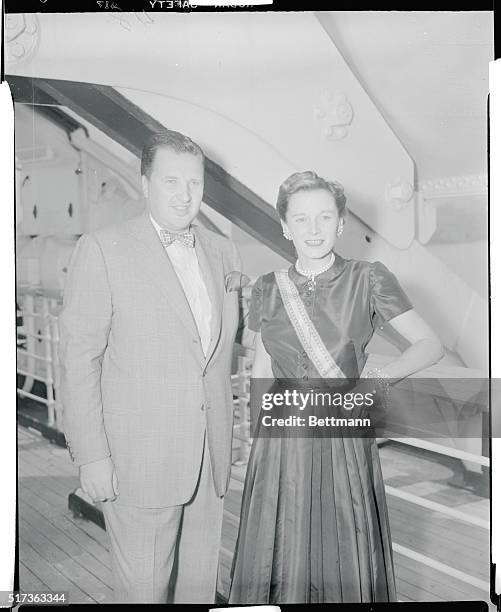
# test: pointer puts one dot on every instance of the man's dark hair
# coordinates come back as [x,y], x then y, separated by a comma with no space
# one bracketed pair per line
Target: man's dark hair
[175,141]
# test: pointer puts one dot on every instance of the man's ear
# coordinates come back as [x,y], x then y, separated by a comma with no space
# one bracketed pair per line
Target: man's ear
[145,185]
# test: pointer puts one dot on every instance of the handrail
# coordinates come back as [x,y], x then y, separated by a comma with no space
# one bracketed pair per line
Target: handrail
[39,291]
[443,509]
[443,450]
[39,360]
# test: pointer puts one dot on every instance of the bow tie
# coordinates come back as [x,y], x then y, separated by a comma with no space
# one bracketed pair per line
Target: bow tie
[185,238]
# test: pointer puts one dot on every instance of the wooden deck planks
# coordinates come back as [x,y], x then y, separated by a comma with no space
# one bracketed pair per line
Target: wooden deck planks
[62,552]
[52,457]
[425,577]
[65,542]
[412,516]
[74,573]
[56,502]
[74,529]
[49,574]
[471,562]
[29,582]
[59,550]
[58,486]
[437,531]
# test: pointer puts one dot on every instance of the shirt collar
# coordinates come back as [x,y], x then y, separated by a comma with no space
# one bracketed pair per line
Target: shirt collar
[334,271]
[155,225]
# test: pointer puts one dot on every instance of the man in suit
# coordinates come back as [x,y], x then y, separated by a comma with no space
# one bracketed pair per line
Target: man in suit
[147,332]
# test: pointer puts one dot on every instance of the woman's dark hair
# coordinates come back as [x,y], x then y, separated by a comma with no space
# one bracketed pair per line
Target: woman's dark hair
[175,141]
[308,181]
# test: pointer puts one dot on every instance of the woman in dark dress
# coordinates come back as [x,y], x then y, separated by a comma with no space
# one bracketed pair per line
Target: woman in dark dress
[314,523]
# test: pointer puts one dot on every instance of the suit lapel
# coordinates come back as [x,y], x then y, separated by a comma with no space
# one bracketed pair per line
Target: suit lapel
[157,264]
[211,269]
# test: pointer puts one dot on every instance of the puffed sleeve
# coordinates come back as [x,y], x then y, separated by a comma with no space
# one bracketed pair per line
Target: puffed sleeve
[256,306]
[388,299]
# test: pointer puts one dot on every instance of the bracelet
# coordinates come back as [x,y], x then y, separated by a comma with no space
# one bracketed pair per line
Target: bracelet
[380,380]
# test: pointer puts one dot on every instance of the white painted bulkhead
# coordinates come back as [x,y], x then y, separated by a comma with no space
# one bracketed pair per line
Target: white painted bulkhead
[391,105]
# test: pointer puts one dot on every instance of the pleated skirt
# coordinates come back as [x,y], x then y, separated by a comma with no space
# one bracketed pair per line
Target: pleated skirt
[314,524]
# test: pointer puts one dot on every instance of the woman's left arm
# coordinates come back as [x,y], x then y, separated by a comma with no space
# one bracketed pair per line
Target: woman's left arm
[425,347]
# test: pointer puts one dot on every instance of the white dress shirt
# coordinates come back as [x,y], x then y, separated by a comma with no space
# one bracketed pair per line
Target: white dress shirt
[185,263]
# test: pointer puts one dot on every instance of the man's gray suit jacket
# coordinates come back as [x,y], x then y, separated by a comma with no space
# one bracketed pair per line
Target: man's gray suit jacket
[136,385]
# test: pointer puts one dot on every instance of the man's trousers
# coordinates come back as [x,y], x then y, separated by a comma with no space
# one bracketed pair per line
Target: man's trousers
[167,554]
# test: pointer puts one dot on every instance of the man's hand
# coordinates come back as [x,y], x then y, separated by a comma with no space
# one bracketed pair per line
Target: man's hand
[99,480]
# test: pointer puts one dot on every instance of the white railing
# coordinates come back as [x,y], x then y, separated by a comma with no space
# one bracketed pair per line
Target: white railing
[241,393]
[37,348]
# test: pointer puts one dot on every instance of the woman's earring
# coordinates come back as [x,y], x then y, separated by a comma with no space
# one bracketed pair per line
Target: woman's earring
[287,234]
[340,229]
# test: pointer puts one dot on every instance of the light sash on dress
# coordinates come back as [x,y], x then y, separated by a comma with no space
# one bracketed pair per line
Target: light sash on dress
[304,328]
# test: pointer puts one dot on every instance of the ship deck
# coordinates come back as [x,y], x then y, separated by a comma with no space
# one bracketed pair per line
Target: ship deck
[437,557]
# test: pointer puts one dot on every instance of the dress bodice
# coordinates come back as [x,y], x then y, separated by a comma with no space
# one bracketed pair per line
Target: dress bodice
[347,304]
